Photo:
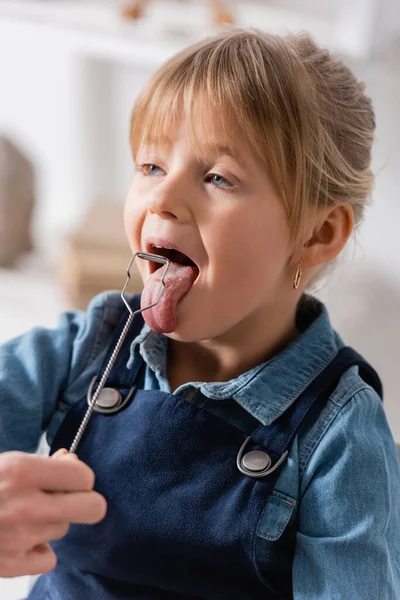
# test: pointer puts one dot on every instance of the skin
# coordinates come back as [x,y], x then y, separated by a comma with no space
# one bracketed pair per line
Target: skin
[224,212]
[39,498]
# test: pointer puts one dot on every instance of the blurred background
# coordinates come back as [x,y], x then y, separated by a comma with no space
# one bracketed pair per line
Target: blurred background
[69,72]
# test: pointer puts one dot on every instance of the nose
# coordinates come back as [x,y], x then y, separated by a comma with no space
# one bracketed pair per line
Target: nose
[171,200]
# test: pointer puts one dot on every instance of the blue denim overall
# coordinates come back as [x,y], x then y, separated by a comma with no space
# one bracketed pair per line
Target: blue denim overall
[182,518]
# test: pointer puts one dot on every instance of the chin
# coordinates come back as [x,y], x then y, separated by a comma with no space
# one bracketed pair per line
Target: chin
[192,331]
[180,335]
[187,330]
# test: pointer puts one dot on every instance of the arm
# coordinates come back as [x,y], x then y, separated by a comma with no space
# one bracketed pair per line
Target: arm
[38,367]
[348,543]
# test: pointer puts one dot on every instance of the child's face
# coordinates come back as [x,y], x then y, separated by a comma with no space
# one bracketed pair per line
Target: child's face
[221,210]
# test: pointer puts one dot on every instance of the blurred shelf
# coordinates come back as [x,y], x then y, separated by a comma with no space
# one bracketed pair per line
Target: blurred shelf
[95,28]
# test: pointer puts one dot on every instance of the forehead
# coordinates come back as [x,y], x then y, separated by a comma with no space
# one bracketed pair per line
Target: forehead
[207,128]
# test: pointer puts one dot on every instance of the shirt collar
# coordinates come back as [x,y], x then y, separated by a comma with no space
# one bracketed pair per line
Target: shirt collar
[267,390]
[270,388]
[152,347]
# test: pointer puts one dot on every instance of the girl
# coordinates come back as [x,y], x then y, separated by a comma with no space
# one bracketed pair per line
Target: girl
[241,448]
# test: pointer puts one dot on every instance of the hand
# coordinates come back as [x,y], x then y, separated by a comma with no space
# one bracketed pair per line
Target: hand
[39,498]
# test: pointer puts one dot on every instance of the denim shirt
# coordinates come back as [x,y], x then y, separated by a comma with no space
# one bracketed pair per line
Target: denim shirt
[341,478]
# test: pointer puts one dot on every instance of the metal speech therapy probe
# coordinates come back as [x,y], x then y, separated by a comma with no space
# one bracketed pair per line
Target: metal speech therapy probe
[92,404]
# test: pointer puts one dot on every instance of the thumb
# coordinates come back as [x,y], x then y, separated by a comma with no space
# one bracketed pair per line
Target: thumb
[63,453]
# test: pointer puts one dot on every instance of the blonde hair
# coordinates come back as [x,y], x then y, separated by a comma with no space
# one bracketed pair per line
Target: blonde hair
[300,109]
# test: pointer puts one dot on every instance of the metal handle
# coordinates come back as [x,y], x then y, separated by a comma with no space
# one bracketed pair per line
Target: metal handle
[145,256]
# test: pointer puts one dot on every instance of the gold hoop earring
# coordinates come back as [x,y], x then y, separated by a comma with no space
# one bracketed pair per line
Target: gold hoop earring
[297,278]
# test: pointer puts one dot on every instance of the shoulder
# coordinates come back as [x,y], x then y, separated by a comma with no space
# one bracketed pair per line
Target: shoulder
[349,499]
[43,367]
[106,307]
[92,332]
[76,331]
[351,432]
[94,327]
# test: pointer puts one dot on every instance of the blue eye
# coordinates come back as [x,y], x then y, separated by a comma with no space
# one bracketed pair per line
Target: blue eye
[219,181]
[152,169]
[149,169]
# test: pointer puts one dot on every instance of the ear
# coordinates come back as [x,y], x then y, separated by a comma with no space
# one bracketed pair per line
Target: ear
[329,236]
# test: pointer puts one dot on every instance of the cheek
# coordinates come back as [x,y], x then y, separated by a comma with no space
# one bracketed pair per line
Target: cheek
[134,217]
[249,245]
[133,235]
[133,221]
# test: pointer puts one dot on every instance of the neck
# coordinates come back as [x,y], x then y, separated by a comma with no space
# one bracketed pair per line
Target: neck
[226,357]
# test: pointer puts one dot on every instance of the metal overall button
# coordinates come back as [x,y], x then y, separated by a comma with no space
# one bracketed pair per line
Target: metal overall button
[256,461]
[256,464]
[110,401]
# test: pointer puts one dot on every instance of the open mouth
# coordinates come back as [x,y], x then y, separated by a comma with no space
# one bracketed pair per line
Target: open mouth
[172,254]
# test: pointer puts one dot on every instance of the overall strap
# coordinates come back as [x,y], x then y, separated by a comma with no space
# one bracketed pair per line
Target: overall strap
[348,357]
[278,437]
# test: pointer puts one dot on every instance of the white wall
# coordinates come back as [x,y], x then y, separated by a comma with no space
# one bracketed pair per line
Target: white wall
[70,115]
[38,109]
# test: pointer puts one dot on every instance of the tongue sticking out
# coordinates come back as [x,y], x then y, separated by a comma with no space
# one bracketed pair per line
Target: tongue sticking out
[178,281]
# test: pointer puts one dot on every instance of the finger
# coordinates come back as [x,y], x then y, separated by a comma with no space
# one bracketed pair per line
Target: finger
[38,507]
[59,453]
[23,470]
[63,453]
[49,532]
[40,559]
[75,507]
[19,539]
